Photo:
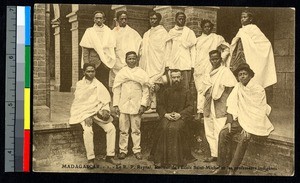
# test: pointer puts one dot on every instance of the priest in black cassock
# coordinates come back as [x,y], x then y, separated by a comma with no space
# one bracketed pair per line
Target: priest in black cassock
[171,147]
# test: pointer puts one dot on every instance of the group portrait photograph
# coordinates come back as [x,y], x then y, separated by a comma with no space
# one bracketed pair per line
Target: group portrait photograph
[152,89]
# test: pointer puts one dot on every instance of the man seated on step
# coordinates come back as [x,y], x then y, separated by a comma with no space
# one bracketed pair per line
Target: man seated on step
[91,105]
[247,114]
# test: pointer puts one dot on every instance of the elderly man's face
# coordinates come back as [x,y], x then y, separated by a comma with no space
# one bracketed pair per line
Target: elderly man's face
[244,77]
[215,60]
[153,21]
[180,20]
[245,19]
[89,73]
[122,20]
[176,78]
[99,19]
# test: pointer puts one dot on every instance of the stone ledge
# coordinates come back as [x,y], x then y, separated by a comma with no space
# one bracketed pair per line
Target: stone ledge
[61,126]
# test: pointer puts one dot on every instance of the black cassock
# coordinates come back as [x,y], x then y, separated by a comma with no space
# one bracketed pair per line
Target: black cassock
[171,144]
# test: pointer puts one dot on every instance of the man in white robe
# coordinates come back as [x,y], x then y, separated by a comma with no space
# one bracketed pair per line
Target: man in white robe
[250,45]
[127,39]
[205,43]
[153,54]
[183,52]
[247,115]
[130,99]
[91,102]
[98,46]
[218,85]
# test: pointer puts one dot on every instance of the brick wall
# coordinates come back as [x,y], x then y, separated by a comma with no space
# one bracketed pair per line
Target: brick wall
[284,52]
[41,87]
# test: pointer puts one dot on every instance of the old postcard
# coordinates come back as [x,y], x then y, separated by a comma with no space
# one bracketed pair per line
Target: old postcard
[147,89]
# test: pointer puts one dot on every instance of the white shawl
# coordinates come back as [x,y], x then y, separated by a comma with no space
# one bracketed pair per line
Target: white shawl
[248,104]
[105,47]
[258,53]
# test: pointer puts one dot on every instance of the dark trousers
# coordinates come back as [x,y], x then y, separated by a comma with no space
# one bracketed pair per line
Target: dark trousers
[225,158]
[102,74]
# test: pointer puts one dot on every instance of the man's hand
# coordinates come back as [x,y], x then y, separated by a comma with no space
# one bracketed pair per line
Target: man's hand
[176,116]
[246,134]
[117,110]
[156,87]
[142,110]
[228,125]
[88,121]
[105,115]
[169,116]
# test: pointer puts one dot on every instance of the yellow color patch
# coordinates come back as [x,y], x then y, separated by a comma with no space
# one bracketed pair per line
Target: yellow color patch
[27,109]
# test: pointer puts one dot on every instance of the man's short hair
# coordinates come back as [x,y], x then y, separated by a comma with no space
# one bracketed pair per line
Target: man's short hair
[249,13]
[119,13]
[130,53]
[99,12]
[175,70]
[180,13]
[214,52]
[158,15]
[203,22]
[85,65]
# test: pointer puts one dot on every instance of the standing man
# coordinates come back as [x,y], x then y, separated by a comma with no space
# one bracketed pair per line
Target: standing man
[98,46]
[91,104]
[247,115]
[251,46]
[205,43]
[153,54]
[183,53]
[218,85]
[131,95]
[127,39]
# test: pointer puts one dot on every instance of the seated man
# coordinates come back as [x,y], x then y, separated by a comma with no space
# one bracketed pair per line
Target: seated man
[91,104]
[247,114]
[175,108]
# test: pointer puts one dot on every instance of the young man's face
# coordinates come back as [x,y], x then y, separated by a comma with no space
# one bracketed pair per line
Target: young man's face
[153,21]
[176,78]
[207,28]
[215,60]
[122,20]
[99,19]
[89,73]
[131,60]
[244,77]
[245,19]
[180,20]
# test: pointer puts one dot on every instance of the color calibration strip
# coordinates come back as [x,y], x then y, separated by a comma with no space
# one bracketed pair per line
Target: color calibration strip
[26,151]
[22,123]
